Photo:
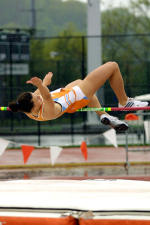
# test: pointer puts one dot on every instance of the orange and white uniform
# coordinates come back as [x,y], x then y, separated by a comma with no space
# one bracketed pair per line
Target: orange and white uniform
[70,99]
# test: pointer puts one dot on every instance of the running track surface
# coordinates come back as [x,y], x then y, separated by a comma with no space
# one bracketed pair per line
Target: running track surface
[108,155]
[73,155]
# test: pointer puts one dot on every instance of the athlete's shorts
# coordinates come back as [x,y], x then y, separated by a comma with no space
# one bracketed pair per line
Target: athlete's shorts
[70,99]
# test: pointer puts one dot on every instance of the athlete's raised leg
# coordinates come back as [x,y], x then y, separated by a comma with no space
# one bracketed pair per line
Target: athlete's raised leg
[96,79]
[94,103]
[109,71]
[73,83]
[105,118]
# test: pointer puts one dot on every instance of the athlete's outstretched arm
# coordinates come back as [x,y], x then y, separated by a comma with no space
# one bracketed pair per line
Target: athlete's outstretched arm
[46,82]
[45,93]
[47,79]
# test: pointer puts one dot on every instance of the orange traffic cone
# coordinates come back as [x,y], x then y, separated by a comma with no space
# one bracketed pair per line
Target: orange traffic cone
[83,148]
[27,150]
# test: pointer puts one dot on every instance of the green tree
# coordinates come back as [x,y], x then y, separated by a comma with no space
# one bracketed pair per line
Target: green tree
[129,51]
[52,16]
[61,55]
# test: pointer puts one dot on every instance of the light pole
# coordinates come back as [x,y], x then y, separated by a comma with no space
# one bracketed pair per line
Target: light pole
[94,49]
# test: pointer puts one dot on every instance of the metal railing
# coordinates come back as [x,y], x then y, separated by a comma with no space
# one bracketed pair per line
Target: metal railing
[137,138]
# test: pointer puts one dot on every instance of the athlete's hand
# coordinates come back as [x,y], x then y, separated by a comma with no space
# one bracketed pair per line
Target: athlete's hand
[35,81]
[48,79]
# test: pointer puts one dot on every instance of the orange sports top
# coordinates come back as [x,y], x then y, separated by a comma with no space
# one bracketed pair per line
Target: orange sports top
[70,100]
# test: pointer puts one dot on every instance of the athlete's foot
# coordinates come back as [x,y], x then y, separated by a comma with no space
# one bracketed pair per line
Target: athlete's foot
[134,103]
[114,122]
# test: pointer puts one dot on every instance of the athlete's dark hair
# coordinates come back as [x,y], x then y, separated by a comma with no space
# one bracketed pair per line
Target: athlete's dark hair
[24,103]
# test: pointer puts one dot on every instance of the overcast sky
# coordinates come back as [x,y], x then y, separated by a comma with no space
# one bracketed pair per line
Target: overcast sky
[107,3]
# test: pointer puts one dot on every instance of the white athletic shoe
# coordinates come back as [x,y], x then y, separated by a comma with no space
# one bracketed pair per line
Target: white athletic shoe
[114,122]
[134,103]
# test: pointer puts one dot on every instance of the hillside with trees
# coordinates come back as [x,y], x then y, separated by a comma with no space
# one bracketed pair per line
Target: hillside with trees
[52,16]
[124,39]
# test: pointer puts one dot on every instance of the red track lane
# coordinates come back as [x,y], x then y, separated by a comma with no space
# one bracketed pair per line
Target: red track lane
[73,155]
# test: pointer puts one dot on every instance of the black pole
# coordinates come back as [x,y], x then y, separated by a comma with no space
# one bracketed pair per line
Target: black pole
[147,73]
[11,80]
[72,128]
[84,115]
[33,15]
[83,58]
[39,133]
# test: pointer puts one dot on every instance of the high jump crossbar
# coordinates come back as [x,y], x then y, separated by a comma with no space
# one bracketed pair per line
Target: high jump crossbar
[107,109]
[4,108]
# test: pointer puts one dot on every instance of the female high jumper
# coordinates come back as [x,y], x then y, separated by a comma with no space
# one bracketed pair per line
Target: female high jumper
[43,105]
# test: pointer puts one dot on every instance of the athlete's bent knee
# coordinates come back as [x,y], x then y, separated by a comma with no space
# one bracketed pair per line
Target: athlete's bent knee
[114,65]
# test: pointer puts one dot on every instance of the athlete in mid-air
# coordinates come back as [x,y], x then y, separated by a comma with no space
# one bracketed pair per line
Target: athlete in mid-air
[44,105]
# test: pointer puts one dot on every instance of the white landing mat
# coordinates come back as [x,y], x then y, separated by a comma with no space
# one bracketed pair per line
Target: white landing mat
[86,195]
